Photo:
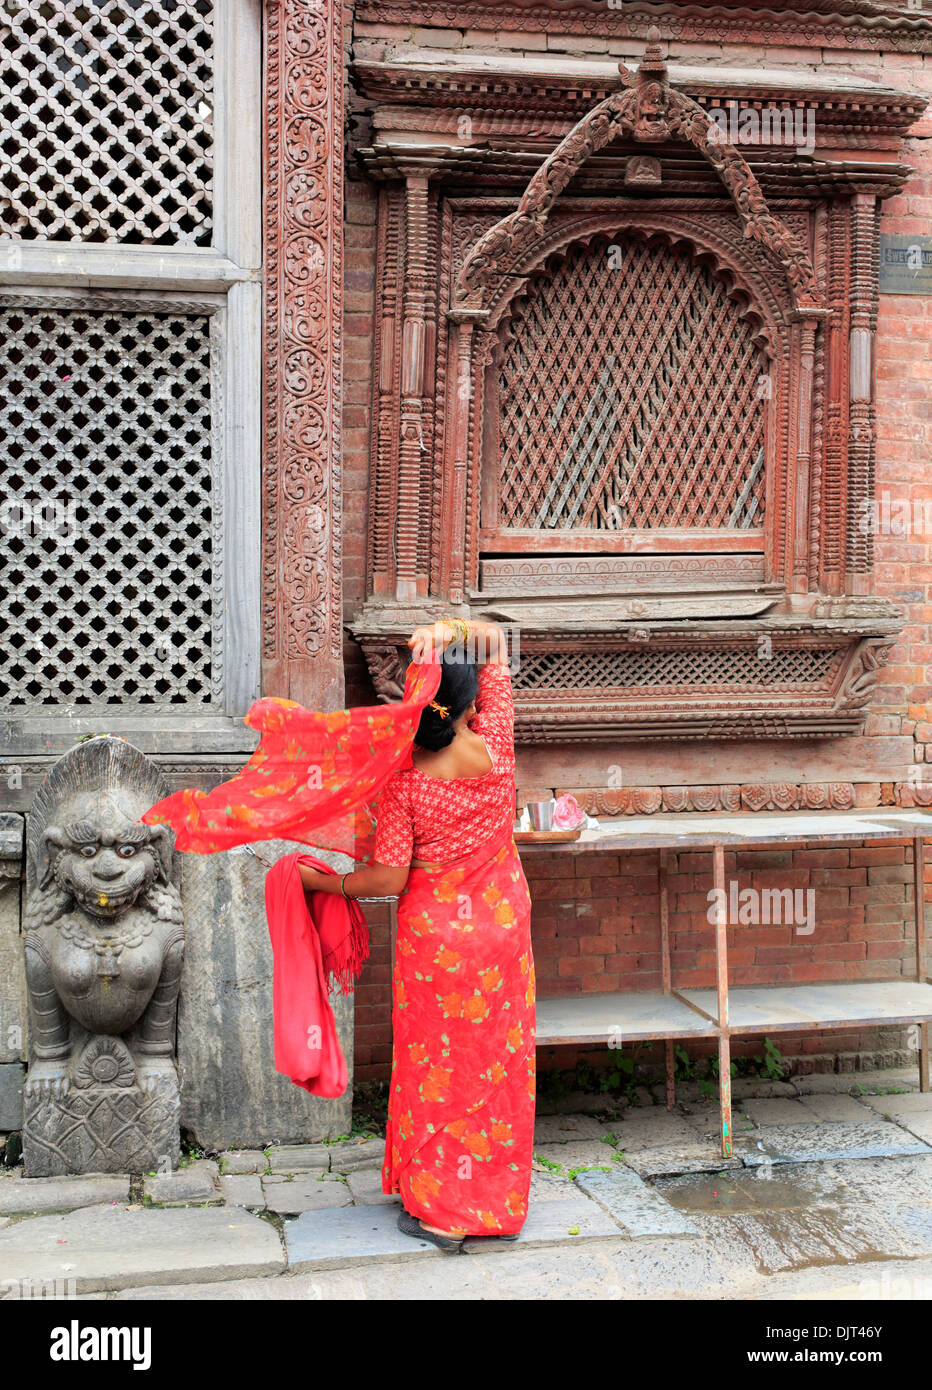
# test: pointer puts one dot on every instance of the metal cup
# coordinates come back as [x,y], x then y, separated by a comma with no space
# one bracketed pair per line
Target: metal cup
[541,813]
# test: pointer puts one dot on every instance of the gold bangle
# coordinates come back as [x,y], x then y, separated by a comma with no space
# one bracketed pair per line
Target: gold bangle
[460,627]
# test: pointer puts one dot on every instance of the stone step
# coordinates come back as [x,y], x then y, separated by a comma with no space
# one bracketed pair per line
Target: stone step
[361,1235]
[120,1247]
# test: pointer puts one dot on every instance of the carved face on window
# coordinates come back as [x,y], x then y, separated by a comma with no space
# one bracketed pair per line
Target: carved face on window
[104,867]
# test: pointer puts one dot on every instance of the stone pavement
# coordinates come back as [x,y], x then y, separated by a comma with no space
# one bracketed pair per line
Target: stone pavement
[829,1194]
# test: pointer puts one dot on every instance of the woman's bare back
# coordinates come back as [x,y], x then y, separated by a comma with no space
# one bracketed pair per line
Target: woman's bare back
[466,756]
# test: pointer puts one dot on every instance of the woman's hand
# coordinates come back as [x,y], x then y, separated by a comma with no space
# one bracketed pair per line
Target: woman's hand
[425,640]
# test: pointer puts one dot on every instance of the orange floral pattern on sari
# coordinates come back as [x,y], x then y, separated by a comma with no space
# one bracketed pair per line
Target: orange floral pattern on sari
[460,1132]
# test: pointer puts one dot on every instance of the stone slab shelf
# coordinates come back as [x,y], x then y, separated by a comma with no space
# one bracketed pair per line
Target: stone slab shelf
[605,1018]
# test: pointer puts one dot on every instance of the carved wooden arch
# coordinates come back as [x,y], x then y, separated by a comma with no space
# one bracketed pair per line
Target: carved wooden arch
[649,109]
[763,304]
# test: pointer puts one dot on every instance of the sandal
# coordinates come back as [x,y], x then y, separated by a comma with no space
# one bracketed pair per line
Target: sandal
[450,1245]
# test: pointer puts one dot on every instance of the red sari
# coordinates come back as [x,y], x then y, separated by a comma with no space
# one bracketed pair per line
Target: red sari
[460,1132]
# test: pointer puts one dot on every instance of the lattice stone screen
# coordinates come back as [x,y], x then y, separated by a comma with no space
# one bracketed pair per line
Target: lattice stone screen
[106,120]
[110,561]
[630,397]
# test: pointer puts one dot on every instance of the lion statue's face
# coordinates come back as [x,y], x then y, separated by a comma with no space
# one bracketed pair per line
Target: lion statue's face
[104,868]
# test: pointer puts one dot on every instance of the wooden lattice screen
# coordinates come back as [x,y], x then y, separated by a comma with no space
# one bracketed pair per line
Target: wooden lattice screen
[632,393]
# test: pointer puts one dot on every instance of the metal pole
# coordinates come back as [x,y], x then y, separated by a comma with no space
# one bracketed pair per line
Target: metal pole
[721,964]
[666,971]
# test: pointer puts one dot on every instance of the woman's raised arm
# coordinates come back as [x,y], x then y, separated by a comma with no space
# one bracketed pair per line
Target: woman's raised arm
[485,642]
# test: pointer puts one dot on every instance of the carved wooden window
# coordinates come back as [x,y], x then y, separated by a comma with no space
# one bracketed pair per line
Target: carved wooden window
[106,120]
[631,397]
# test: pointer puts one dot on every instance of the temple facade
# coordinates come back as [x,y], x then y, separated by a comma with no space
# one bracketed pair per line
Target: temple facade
[610,322]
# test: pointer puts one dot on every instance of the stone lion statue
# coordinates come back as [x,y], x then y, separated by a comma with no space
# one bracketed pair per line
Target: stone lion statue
[104,948]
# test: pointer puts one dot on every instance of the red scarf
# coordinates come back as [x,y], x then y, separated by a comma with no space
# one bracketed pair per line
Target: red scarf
[315,936]
[314,778]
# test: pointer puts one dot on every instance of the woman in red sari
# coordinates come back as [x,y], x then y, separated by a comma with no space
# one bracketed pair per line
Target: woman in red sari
[461,1106]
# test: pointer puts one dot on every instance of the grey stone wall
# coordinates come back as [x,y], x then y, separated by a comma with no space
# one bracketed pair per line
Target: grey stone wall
[231,1095]
[13,1016]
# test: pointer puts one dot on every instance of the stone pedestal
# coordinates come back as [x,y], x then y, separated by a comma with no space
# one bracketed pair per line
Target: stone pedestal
[108,1121]
[231,1094]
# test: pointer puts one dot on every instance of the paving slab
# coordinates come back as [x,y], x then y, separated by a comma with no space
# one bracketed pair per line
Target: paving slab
[889,1182]
[756,1088]
[558,1273]
[562,1129]
[116,1247]
[552,1187]
[195,1182]
[917,1103]
[242,1190]
[657,1130]
[777,1112]
[584,1153]
[677,1268]
[891,1078]
[306,1194]
[366,1186]
[815,1143]
[821,1083]
[236,1161]
[639,1210]
[920,1126]
[19,1196]
[832,1108]
[552,1223]
[695,1157]
[298,1158]
[347,1157]
[350,1236]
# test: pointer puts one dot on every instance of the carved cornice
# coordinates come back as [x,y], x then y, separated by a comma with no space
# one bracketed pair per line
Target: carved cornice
[768,796]
[821,23]
[649,110]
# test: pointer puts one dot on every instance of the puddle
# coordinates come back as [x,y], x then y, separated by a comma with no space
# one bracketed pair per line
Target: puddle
[745,1191]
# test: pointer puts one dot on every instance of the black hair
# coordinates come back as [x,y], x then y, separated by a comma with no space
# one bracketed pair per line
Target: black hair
[459,684]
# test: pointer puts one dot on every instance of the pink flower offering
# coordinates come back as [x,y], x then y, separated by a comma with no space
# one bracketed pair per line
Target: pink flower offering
[566,814]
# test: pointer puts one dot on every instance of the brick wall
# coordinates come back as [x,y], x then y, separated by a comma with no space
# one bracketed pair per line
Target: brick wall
[596,920]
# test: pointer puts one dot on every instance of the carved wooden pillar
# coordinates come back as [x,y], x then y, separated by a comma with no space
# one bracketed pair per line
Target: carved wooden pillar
[408,583]
[860,382]
[800,570]
[461,387]
[302,369]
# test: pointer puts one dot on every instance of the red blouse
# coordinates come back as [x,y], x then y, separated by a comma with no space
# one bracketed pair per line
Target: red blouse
[438,819]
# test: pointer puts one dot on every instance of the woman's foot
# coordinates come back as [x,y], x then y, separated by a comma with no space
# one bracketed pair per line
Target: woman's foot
[411,1226]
